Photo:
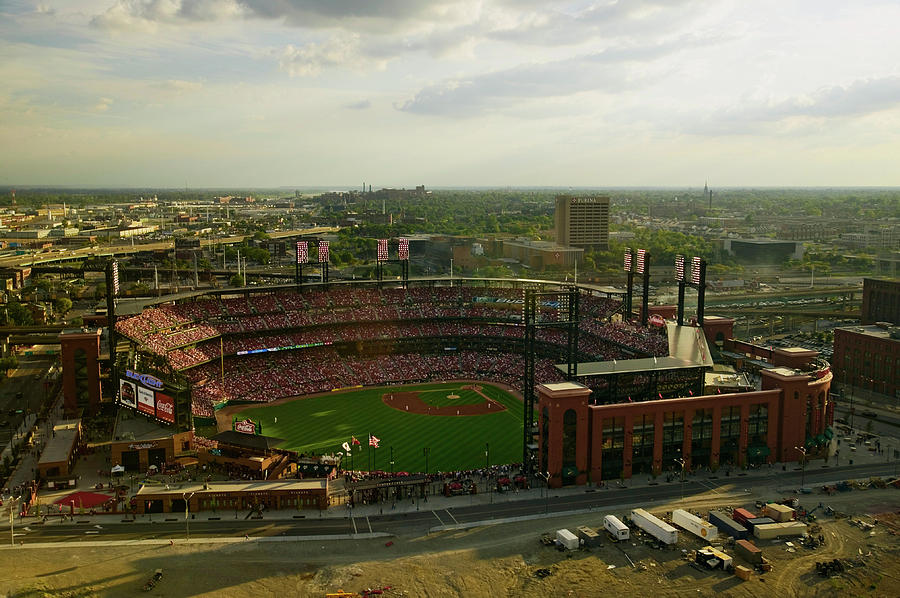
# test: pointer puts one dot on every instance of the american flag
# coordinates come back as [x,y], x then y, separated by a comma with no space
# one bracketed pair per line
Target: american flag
[373,441]
[382,250]
[323,251]
[403,249]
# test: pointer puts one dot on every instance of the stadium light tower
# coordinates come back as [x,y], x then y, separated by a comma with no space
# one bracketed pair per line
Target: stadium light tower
[683,463]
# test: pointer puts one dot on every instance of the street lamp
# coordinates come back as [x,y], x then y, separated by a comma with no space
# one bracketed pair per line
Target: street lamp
[802,465]
[12,519]
[683,463]
[187,520]
[546,477]
[487,467]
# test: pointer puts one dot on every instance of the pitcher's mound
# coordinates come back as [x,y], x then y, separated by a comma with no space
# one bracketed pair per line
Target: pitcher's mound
[452,396]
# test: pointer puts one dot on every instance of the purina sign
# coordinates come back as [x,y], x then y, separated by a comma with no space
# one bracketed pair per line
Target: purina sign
[245,427]
[145,379]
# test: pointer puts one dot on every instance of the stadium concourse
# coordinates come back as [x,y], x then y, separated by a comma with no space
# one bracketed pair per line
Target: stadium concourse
[261,345]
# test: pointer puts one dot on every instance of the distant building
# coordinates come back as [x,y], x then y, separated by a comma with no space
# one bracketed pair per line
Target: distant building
[540,254]
[880,301]
[764,251]
[582,221]
[868,357]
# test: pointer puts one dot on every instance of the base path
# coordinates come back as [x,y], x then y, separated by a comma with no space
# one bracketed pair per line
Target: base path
[411,402]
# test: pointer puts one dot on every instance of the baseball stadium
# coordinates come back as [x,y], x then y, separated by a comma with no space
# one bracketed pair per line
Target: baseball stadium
[428,376]
[430,365]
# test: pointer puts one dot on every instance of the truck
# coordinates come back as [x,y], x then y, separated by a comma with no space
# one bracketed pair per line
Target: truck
[616,529]
[657,528]
[742,516]
[770,531]
[727,525]
[566,539]
[779,512]
[695,525]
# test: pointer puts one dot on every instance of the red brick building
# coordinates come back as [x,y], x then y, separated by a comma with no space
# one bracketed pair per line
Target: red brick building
[581,442]
[80,360]
[868,357]
[880,301]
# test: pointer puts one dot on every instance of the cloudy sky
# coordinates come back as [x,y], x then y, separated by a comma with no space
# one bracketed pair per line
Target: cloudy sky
[449,92]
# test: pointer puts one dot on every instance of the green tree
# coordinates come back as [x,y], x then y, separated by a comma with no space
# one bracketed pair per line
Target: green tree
[237,280]
[62,305]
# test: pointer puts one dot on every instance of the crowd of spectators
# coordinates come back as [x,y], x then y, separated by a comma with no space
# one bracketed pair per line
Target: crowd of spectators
[195,336]
[266,377]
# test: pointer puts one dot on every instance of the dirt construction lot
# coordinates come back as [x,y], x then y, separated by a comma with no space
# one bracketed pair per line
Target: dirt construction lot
[499,560]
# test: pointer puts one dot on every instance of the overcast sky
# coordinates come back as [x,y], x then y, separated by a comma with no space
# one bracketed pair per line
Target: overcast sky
[449,92]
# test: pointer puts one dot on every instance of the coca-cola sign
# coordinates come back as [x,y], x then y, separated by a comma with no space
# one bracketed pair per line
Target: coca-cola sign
[165,408]
[245,427]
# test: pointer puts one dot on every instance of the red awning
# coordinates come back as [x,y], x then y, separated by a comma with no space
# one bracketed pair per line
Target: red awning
[84,499]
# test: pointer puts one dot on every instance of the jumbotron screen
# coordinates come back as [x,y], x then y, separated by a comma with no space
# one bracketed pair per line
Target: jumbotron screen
[302,252]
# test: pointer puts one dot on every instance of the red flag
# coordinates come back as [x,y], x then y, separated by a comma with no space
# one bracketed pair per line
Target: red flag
[354,442]
[373,441]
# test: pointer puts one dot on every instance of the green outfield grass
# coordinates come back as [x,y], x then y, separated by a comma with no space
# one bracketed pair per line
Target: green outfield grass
[320,424]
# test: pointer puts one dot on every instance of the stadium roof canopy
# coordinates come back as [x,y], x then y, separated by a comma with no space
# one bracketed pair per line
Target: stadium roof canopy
[687,349]
[250,441]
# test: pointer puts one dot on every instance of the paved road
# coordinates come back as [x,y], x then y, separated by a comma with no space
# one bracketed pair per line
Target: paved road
[172,526]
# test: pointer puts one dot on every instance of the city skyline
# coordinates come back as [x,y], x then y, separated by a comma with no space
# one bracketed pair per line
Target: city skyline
[452,93]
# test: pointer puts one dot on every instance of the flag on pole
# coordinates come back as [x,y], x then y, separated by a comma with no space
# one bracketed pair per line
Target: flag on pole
[373,441]
[354,442]
[346,447]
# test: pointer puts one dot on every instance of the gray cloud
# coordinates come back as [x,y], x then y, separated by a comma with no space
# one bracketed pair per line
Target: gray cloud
[859,98]
[360,105]
[600,71]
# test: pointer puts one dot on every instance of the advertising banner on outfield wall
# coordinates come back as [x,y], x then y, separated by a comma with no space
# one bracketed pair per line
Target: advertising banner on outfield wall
[146,401]
[165,408]
[127,393]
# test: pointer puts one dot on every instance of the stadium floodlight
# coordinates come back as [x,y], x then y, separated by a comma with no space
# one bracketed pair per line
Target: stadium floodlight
[302,252]
[323,251]
[403,249]
[382,250]
[627,262]
[679,268]
[695,269]
[115,277]
[641,258]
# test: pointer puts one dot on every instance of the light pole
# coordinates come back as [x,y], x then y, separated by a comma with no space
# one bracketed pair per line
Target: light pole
[681,462]
[487,467]
[12,519]
[802,465]
[425,452]
[187,520]
[392,461]
[546,477]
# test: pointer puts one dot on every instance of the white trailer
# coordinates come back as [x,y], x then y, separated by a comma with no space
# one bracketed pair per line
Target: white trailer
[694,524]
[567,539]
[617,529]
[657,528]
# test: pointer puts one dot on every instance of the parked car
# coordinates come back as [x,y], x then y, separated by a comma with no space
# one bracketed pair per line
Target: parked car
[869,413]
